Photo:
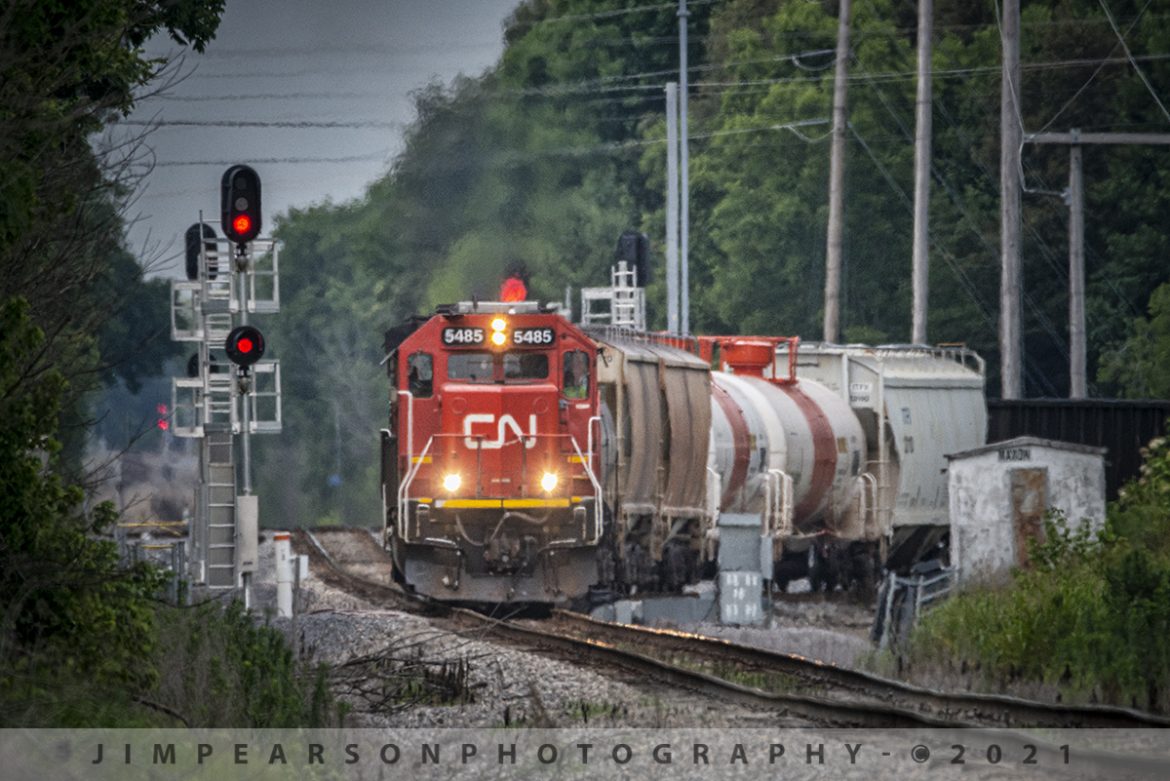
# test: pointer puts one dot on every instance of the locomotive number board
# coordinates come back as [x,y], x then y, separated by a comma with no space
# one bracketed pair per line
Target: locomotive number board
[462,337]
[533,337]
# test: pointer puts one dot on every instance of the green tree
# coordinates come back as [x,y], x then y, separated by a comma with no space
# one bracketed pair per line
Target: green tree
[66,607]
[71,68]
[1140,367]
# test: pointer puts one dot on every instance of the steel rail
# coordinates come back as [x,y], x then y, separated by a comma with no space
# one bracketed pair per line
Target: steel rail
[986,709]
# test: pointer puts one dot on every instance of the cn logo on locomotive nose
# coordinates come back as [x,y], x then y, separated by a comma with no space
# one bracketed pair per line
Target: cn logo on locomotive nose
[505,422]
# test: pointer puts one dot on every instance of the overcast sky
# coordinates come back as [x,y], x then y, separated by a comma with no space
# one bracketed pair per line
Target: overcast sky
[352,63]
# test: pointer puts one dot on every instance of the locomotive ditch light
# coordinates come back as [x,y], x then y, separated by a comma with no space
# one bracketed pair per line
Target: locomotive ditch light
[548,481]
[452,482]
[244,345]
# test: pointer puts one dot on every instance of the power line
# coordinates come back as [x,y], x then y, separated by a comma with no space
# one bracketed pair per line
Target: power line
[240,123]
[271,96]
[1141,74]
[277,160]
[1096,71]
[610,14]
[969,287]
[349,50]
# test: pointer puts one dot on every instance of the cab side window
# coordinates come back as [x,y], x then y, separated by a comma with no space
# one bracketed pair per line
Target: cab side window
[420,375]
[576,381]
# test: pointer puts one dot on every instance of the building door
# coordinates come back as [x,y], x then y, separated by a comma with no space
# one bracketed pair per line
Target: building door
[1029,503]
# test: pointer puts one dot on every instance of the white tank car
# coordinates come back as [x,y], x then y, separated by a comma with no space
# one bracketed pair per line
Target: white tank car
[792,450]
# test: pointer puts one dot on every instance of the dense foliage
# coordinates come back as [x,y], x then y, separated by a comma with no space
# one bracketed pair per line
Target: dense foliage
[84,640]
[1092,616]
[68,609]
[546,158]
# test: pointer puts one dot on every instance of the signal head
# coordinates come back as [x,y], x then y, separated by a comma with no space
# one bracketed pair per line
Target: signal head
[200,240]
[245,345]
[240,203]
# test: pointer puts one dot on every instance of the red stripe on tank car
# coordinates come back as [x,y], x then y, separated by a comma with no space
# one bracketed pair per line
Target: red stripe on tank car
[824,451]
[739,438]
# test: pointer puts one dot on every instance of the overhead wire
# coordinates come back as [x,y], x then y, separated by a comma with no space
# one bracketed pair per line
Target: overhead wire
[1095,72]
[964,280]
[1046,250]
[1041,316]
[1141,74]
[268,123]
[382,155]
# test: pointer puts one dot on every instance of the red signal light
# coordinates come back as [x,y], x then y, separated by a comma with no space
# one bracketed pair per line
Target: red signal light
[245,345]
[240,204]
[513,290]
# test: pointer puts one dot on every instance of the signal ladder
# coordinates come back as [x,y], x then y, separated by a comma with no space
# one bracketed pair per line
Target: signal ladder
[624,302]
[206,404]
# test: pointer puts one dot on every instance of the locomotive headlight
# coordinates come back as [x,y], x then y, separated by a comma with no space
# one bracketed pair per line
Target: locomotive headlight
[452,482]
[548,481]
[499,331]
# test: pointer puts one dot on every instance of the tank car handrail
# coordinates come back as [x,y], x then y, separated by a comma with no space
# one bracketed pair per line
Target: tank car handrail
[869,482]
[778,502]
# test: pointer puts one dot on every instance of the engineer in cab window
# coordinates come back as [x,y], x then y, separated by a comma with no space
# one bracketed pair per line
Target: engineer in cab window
[576,375]
[420,377]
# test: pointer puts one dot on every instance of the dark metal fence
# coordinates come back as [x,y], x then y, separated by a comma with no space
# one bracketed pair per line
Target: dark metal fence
[1123,427]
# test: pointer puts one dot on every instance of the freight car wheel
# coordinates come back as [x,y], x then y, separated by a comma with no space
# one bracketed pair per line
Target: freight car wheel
[863,571]
[818,569]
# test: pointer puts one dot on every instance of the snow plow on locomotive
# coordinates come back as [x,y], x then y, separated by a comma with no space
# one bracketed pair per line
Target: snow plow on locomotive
[531,460]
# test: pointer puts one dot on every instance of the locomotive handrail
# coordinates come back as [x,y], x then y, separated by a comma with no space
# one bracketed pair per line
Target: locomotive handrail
[409,423]
[589,440]
[409,459]
[596,495]
[404,489]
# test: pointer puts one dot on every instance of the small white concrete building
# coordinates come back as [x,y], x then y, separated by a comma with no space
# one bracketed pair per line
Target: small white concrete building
[999,494]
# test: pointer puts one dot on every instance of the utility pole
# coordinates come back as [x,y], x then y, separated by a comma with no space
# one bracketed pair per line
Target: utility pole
[1077,383]
[684,166]
[922,150]
[1075,199]
[672,323]
[837,180]
[1011,272]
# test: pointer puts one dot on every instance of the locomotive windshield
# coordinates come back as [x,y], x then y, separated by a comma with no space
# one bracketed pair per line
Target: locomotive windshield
[497,367]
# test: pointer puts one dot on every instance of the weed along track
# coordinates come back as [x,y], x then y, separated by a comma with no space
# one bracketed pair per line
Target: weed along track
[674,669]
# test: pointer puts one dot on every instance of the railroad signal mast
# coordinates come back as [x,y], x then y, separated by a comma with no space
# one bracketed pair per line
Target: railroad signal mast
[220,403]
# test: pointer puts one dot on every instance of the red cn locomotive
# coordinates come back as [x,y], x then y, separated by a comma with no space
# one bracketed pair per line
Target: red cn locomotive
[490,483]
